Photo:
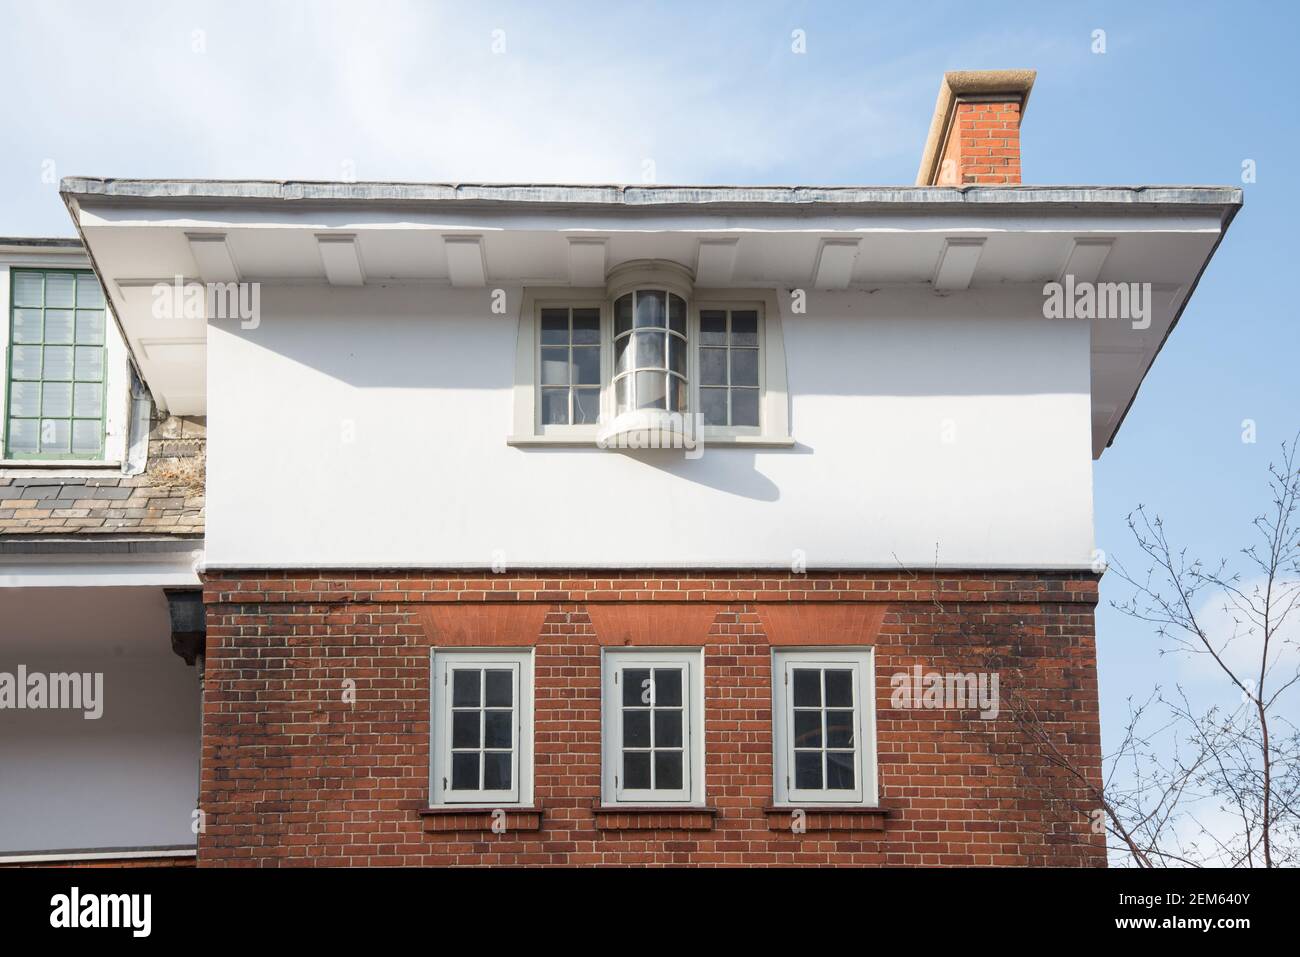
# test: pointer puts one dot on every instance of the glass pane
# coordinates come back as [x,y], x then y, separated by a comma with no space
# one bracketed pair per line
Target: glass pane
[586,406]
[27,325]
[26,362]
[668,687]
[24,435]
[90,363]
[677,314]
[90,327]
[744,328]
[713,403]
[636,728]
[839,729]
[808,729]
[677,394]
[25,398]
[27,289]
[668,729]
[713,327]
[677,355]
[58,362]
[56,435]
[58,325]
[668,770]
[650,350]
[586,365]
[586,326]
[623,395]
[555,327]
[808,770]
[744,407]
[839,688]
[88,399]
[89,293]
[60,290]
[496,771]
[623,314]
[465,688]
[555,366]
[464,729]
[85,435]
[555,406]
[713,367]
[744,367]
[636,769]
[839,770]
[636,687]
[464,771]
[650,306]
[622,354]
[500,688]
[56,399]
[807,688]
[651,390]
[498,729]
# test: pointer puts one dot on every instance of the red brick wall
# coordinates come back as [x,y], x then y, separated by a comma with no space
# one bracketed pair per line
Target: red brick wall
[294,775]
[983,145]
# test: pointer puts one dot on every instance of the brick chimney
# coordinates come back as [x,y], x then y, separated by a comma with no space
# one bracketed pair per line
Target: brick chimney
[975,134]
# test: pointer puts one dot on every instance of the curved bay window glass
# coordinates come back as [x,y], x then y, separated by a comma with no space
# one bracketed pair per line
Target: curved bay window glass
[650,358]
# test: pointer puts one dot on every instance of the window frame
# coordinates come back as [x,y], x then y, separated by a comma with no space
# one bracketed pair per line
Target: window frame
[441,663]
[604,375]
[697,384]
[614,662]
[863,664]
[100,454]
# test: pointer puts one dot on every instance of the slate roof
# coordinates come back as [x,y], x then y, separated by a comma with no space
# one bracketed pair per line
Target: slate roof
[88,506]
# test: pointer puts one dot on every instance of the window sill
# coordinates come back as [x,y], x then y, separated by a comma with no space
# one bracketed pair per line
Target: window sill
[46,465]
[653,817]
[437,820]
[828,817]
[582,442]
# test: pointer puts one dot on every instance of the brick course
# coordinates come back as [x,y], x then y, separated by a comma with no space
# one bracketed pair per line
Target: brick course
[291,774]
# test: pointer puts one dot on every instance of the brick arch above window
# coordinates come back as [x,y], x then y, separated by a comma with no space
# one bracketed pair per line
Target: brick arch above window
[483,625]
[652,623]
[822,623]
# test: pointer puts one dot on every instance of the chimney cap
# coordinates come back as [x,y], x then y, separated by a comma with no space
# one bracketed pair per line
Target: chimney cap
[967,85]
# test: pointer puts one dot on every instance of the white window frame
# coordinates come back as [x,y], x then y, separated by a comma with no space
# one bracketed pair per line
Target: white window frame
[441,663]
[614,662]
[774,400]
[117,374]
[862,663]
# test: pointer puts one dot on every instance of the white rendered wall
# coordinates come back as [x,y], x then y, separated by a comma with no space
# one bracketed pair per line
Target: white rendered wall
[126,779]
[368,427]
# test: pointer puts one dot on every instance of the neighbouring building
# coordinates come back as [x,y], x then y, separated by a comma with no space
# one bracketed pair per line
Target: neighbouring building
[542,524]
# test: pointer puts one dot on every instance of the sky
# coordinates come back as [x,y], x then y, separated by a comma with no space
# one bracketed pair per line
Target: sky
[1185,93]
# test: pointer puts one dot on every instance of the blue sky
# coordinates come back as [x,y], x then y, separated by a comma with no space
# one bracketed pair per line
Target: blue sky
[1184,93]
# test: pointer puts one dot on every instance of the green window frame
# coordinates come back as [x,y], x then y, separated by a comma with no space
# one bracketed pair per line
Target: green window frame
[56,378]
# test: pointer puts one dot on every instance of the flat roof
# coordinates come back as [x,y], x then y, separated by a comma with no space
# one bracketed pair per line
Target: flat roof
[625,196]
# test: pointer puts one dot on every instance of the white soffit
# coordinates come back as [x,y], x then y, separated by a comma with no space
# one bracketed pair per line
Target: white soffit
[587,262]
[715,263]
[835,261]
[212,257]
[957,262]
[465,263]
[341,258]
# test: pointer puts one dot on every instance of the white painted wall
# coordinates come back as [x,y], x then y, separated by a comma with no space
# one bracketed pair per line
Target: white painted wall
[126,779]
[369,426]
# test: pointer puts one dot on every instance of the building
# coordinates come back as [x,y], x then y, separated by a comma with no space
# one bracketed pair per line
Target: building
[608,524]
